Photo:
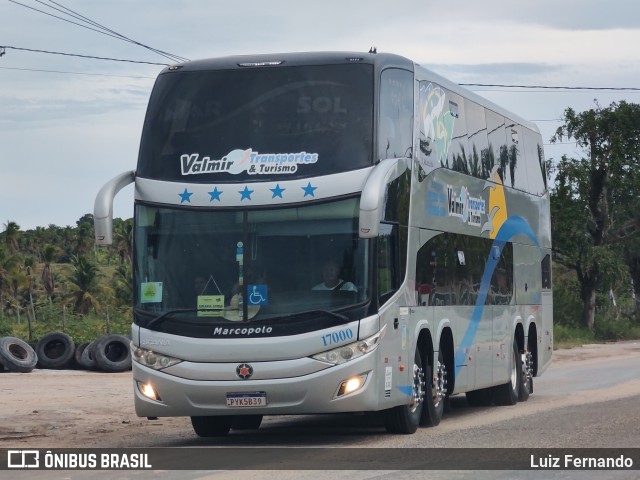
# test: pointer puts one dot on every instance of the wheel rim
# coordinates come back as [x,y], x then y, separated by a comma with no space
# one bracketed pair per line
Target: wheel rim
[418,388]
[527,368]
[439,386]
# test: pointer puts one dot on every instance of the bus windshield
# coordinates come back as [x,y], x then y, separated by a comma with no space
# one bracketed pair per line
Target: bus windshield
[297,121]
[211,267]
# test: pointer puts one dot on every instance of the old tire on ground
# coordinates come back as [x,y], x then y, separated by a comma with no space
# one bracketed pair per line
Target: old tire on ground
[405,419]
[17,355]
[77,355]
[55,350]
[112,353]
[87,357]
[211,426]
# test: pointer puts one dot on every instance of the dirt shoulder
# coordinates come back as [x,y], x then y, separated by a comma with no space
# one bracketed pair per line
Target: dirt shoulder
[73,408]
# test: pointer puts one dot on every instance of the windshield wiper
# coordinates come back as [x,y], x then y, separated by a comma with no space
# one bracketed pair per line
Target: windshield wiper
[163,316]
[316,312]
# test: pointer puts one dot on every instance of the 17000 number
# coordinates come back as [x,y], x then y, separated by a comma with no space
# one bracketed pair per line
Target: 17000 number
[337,337]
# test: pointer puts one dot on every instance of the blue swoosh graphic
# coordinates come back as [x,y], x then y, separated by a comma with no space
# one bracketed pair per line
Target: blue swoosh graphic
[510,228]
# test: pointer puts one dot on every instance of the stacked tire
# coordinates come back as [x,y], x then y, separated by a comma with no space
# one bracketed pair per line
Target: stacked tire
[57,350]
[109,353]
[17,355]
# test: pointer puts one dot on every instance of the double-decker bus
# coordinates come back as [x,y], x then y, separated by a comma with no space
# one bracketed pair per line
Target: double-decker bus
[332,232]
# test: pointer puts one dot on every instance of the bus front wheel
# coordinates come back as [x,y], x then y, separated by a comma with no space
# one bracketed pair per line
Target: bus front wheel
[405,419]
[211,426]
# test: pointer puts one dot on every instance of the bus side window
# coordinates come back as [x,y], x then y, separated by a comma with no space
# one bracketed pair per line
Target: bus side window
[395,124]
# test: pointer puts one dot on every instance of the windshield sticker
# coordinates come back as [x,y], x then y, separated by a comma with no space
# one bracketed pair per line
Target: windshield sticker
[239,161]
[151,292]
[210,305]
[258,294]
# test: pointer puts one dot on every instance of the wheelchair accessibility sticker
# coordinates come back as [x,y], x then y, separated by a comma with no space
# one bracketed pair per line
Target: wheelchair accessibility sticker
[257,294]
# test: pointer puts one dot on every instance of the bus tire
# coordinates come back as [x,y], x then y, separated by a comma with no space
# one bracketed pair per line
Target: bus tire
[17,355]
[246,422]
[526,382]
[435,397]
[405,419]
[508,393]
[212,426]
[55,350]
[112,353]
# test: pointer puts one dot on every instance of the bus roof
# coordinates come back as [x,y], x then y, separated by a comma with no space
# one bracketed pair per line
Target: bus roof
[379,60]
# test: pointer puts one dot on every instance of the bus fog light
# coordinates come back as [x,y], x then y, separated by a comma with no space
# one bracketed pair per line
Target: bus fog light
[352,384]
[148,391]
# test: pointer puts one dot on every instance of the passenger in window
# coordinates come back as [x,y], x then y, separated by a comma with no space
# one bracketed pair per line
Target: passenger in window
[331,278]
[467,293]
[501,289]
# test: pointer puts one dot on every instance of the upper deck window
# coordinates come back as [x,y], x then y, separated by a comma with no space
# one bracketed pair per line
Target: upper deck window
[251,124]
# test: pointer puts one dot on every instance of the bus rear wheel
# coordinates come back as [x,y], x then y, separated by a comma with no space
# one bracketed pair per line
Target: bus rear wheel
[508,393]
[405,419]
[211,426]
[436,394]
[526,384]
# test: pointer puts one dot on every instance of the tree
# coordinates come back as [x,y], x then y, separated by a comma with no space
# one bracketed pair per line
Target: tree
[84,280]
[594,202]
[49,253]
[11,233]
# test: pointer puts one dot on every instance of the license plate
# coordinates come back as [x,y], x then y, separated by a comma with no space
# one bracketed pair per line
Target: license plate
[249,399]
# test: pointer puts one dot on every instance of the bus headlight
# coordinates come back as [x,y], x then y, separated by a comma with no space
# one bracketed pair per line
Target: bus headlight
[154,360]
[351,351]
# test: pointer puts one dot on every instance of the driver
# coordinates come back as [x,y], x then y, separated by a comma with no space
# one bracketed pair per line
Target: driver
[331,278]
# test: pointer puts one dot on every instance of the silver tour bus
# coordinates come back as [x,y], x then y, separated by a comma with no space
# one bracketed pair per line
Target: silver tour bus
[332,232]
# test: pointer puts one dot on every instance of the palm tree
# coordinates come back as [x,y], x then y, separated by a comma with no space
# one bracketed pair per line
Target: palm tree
[49,253]
[84,238]
[123,284]
[123,236]
[84,280]
[11,233]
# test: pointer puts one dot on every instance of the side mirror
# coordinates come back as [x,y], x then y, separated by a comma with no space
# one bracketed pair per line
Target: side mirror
[374,195]
[103,206]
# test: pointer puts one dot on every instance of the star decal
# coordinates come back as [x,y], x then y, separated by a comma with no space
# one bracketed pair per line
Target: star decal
[215,194]
[308,190]
[185,196]
[246,193]
[277,192]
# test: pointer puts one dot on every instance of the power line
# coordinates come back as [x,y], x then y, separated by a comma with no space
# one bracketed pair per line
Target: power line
[636,89]
[73,73]
[101,29]
[81,56]
[122,37]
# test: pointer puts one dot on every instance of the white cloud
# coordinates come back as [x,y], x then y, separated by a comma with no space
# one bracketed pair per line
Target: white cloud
[62,136]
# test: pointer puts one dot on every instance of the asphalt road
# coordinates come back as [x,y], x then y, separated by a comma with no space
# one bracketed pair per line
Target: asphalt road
[589,398]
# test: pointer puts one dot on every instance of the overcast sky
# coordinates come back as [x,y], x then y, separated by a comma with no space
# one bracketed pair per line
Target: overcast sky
[63,135]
